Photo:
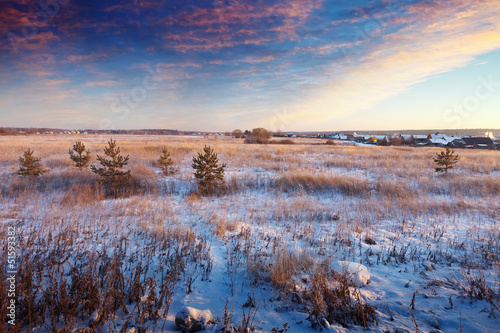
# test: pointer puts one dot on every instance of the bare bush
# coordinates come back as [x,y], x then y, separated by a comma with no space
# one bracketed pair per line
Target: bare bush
[341,303]
[259,136]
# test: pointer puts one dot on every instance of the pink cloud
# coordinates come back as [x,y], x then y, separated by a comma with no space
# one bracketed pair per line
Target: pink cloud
[13,20]
[258,60]
[225,25]
[56,82]
[102,83]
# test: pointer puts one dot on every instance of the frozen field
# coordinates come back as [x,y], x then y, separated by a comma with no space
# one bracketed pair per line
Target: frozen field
[281,245]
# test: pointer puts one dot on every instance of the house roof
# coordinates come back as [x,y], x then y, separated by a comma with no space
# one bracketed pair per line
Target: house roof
[452,138]
[478,140]
[437,136]
[438,141]
[420,137]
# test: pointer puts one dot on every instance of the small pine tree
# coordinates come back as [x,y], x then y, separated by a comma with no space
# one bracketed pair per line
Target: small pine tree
[165,161]
[445,160]
[30,165]
[111,175]
[79,155]
[208,172]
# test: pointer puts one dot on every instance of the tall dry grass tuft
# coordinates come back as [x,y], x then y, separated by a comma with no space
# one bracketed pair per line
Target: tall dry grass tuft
[308,180]
[395,189]
[222,225]
[332,297]
[81,195]
[281,269]
[285,265]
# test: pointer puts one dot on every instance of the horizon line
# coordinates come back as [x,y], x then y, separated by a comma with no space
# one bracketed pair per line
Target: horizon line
[275,131]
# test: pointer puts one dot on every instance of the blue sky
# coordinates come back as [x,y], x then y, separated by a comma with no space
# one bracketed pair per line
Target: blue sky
[224,64]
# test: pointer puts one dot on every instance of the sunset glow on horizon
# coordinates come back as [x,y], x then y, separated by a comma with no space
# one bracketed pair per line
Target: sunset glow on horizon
[305,65]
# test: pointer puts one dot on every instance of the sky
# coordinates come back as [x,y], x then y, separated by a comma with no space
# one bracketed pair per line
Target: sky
[218,65]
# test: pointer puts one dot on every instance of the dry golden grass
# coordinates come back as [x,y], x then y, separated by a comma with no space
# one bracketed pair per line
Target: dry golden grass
[403,175]
[222,225]
[322,181]
[54,151]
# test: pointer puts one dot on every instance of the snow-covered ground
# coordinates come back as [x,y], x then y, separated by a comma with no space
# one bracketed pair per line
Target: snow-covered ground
[419,249]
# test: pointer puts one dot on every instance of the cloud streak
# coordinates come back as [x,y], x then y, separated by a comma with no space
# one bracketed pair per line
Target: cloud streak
[436,38]
[239,23]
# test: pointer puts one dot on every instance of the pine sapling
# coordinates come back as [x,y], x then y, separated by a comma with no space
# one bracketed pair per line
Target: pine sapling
[111,174]
[165,162]
[445,160]
[30,165]
[79,155]
[208,172]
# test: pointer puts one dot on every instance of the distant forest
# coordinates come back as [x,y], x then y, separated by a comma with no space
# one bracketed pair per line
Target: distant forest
[43,130]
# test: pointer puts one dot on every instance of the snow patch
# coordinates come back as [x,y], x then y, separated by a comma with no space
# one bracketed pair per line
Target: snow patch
[359,273]
[190,319]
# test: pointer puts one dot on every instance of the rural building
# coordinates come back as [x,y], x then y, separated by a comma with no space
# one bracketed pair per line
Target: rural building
[478,142]
[420,140]
[406,139]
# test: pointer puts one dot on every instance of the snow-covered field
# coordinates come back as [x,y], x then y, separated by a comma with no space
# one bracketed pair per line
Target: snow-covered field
[303,238]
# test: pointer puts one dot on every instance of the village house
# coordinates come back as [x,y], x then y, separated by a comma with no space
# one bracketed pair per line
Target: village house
[457,143]
[478,142]
[436,136]
[406,139]
[420,140]
[441,140]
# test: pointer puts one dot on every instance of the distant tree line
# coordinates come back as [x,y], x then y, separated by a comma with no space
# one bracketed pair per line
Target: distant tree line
[261,136]
[43,130]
